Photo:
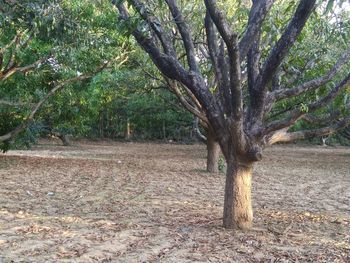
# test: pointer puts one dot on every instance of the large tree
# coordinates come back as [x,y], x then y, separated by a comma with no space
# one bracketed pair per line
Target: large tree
[245,70]
[51,47]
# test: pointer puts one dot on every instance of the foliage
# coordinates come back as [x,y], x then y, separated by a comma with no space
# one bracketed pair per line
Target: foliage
[79,35]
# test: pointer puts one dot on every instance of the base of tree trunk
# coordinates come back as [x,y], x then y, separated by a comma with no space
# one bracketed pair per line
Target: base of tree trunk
[63,137]
[213,154]
[238,211]
[65,140]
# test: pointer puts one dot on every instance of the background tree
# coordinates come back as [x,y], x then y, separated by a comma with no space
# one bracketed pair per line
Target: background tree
[191,104]
[46,46]
[238,112]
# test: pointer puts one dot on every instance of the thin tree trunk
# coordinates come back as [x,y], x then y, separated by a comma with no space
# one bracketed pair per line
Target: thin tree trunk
[213,153]
[128,130]
[238,211]
[164,131]
[101,125]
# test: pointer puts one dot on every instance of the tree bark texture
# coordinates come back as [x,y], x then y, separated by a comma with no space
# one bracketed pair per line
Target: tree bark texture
[238,211]
[213,154]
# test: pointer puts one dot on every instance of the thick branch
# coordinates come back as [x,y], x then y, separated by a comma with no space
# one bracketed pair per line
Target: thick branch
[286,41]
[156,27]
[321,120]
[217,57]
[257,16]
[220,22]
[14,104]
[253,71]
[185,34]
[167,64]
[284,136]
[276,56]
[9,72]
[231,41]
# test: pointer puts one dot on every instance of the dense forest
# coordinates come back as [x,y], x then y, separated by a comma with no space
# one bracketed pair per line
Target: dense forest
[45,44]
[56,42]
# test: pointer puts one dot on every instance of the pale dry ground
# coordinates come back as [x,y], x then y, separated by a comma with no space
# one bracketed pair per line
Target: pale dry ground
[142,202]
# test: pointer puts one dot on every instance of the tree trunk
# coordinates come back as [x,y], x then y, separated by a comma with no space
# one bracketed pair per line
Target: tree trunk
[164,131]
[213,153]
[63,137]
[324,141]
[65,140]
[238,212]
[128,130]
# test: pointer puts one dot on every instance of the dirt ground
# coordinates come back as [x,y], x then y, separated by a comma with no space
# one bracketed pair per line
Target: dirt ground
[143,202]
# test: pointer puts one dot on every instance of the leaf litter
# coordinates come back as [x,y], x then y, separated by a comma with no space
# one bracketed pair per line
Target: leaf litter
[146,202]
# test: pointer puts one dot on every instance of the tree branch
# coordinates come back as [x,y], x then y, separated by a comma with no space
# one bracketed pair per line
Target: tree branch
[257,16]
[312,84]
[312,119]
[297,113]
[217,57]
[9,72]
[156,27]
[231,41]
[14,104]
[284,136]
[185,34]
[253,71]
[286,41]
[195,111]
[277,54]
[197,131]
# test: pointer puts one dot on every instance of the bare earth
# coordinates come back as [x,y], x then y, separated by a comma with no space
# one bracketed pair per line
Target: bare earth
[143,202]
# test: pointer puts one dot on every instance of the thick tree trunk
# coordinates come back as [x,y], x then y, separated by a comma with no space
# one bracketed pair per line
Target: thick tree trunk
[213,153]
[238,212]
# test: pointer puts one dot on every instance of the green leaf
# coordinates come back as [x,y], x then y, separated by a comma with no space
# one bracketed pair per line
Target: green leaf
[329,6]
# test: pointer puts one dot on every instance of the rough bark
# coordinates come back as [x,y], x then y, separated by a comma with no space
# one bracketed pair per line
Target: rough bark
[213,147]
[213,153]
[238,211]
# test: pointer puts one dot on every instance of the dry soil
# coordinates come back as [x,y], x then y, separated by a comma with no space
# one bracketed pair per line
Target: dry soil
[147,202]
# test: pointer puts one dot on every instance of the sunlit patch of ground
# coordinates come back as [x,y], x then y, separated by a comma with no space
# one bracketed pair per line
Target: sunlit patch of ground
[142,202]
